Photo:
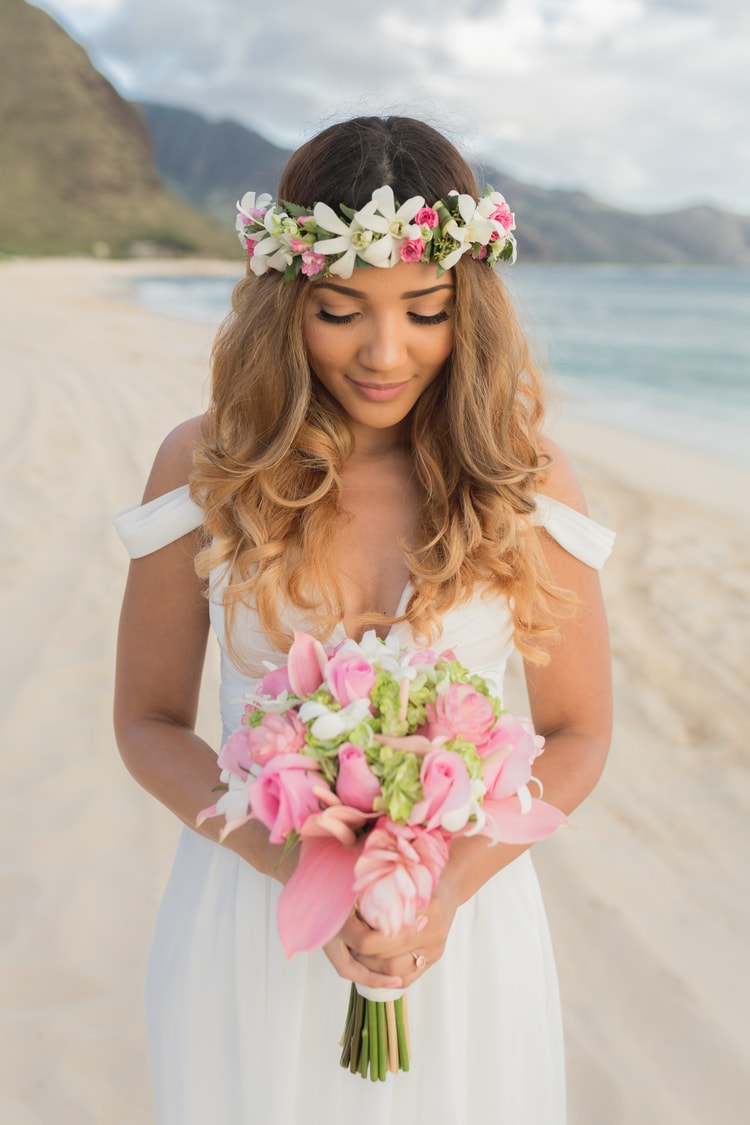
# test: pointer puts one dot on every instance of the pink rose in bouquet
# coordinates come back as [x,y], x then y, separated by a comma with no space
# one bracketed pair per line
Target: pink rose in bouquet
[447,801]
[283,796]
[349,677]
[356,784]
[462,712]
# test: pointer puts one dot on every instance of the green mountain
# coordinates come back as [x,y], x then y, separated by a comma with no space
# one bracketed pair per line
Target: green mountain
[212,163]
[78,174]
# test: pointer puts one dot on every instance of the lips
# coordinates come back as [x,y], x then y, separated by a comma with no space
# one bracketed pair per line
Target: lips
[379,392]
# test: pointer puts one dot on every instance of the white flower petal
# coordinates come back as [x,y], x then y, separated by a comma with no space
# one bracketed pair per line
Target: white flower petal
[327,219]
[344,267]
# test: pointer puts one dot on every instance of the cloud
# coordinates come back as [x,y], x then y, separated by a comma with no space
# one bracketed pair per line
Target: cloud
[641,102]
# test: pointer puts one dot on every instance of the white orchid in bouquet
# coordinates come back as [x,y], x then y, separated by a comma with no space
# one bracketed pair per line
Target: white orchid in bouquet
[372,757]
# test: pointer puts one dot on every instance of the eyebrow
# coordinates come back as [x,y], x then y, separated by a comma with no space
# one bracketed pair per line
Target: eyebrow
[358,292]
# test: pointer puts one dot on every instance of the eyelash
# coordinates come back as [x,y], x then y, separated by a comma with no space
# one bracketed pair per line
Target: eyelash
[330,318]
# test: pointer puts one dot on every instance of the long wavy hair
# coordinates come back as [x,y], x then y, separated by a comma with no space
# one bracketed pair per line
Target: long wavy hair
[268,473]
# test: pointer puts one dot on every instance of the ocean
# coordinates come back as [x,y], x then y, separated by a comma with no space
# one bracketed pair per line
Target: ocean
[662,351]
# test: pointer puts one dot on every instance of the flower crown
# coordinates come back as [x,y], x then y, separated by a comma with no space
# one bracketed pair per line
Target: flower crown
[285,237]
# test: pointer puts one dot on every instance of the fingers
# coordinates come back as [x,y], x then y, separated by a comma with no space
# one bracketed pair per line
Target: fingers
[349,967]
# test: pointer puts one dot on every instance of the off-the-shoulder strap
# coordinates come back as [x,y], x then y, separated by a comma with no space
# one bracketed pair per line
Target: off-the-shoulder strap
[145,528]
[577,534]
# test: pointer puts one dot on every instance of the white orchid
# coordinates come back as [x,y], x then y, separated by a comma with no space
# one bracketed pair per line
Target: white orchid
[251,208]
[393,224]
[351,239]
[327,724]
[475,227]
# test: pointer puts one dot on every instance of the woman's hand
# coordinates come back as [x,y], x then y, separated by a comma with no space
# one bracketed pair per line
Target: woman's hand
[364,955]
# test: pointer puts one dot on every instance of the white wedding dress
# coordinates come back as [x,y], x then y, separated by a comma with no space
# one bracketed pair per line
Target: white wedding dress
[241,1036]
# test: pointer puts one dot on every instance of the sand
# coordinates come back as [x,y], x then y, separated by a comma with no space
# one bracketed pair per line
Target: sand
[648,897]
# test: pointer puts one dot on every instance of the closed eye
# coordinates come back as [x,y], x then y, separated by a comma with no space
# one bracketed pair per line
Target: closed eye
[331,318]
[437,318]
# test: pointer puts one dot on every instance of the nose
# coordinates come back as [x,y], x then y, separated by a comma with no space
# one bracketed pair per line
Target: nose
[383,348]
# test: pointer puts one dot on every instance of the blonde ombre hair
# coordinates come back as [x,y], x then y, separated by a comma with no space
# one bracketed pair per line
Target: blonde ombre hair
[268,473]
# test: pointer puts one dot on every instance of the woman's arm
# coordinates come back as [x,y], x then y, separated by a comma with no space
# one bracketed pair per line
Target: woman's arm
[571,705]
[160,656]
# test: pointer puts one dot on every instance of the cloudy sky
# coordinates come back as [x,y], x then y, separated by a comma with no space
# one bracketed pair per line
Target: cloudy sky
[642,103]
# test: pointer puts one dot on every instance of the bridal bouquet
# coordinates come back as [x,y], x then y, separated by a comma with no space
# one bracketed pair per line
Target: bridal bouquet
[373,757]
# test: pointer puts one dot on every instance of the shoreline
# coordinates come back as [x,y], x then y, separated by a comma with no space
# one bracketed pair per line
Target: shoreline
[646,897]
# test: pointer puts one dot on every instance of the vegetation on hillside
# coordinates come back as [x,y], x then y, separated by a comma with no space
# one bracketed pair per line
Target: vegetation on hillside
[78,174]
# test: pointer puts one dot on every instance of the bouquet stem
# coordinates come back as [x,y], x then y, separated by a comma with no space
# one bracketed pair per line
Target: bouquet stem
[376,1037]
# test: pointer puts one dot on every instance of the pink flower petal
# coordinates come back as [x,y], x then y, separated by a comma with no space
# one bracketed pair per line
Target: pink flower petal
[511,826]
[307,659]
[319,897]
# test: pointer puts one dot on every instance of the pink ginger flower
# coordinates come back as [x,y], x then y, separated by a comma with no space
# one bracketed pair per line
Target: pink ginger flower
[396,874]
[276,734]
[412,249]
[250,246]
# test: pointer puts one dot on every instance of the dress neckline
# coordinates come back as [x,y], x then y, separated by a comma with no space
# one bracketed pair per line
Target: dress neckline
[340,633]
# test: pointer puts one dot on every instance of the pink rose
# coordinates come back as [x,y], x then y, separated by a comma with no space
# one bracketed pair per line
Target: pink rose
[508,755]
[481,253]
[349,677]
[427,217]
[463,712]
[356,784]
[276,734]
[396,874]
[503,215]
[282,797]
[423,656]
[412,249]
[447,792]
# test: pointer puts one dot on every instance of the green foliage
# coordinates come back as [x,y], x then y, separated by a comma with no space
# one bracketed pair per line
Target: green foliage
[78,173]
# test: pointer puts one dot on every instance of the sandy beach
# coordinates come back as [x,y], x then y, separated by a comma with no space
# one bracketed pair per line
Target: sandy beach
[647,896]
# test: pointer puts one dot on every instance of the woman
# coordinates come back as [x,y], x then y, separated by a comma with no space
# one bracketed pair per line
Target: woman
[372,457]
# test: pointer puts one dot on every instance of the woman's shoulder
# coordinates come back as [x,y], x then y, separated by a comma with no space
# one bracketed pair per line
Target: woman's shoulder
[173,463]
[560,481]
[561,511]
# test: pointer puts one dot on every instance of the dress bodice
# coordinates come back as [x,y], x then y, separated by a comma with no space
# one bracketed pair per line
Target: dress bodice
[479,630]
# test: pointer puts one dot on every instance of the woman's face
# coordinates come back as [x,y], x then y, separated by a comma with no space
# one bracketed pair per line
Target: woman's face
[377,340]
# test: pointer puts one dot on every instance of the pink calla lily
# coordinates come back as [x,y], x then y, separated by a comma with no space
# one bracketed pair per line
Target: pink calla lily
[305,665]
[319,897]
[508,824]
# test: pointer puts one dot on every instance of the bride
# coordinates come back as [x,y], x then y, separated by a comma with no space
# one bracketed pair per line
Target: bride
[372,457]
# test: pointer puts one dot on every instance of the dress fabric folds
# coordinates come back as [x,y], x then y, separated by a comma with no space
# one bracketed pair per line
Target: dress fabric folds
[240,1035]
